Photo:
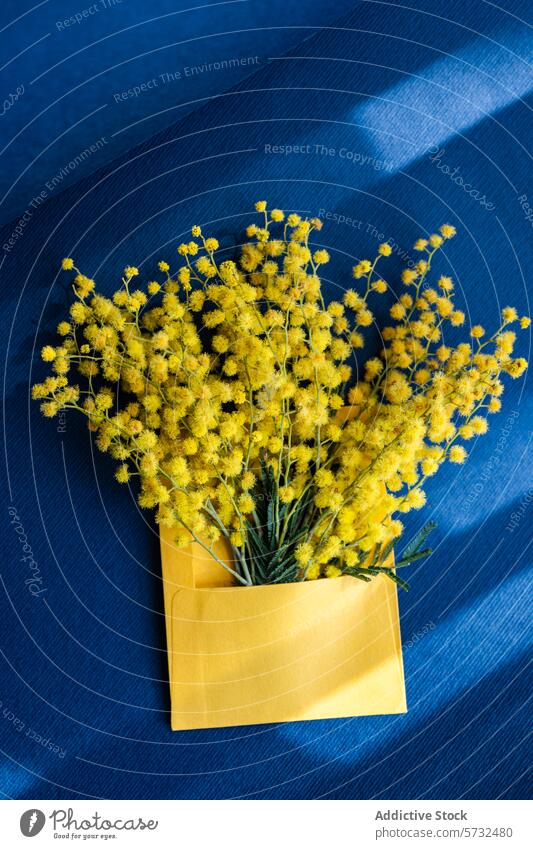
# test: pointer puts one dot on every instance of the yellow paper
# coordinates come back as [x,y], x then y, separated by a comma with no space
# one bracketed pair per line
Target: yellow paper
[276,653]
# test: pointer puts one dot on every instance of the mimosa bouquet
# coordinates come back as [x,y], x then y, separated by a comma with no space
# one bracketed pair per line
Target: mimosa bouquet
[247,411]
[240,407]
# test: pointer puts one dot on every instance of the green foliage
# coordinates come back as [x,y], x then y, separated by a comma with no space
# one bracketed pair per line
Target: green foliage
[413,551]
[274,531]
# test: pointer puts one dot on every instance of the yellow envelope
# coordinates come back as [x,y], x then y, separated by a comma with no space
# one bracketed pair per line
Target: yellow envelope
[276,653]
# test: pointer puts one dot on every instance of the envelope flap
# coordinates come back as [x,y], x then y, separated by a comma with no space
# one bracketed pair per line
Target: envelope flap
[283,652]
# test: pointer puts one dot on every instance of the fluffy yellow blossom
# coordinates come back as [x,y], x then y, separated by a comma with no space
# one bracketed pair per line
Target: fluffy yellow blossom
[509,314]
[83,286]
[372,368]
[50,409]
[447,231]
[48,353]
[398,311]
[123,473]
[67,263]
[515,368]
[303,553]
[444,307]
[466,431]
[364,318]
[320,257]
[479,424]
[356,340]
[362,268]
[445,283]
[324,478]
[352,300]
[246,504]
[286,494]
[430,466]
[409,275]
[457,454]
[414,500]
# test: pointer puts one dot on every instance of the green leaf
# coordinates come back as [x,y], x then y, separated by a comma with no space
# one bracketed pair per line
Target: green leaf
[292,543]
[288,577]
[405,561]
[300,514]
[418,540]
[387,550]
[375,558]
[256,541]
[362,577]
[359,572]
[286,564]
[401,583]
[270,529]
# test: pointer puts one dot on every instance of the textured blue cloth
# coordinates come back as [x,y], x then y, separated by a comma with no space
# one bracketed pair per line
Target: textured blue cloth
[387,106]
[111,73]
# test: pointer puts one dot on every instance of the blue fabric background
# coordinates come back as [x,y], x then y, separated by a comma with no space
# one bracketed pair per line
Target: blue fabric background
[84,664]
